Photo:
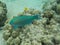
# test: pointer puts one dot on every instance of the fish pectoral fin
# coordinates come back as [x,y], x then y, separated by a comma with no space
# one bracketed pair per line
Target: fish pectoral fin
[14,26]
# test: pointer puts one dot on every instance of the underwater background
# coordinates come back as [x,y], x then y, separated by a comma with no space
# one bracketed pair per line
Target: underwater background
[16,6]
[44,31]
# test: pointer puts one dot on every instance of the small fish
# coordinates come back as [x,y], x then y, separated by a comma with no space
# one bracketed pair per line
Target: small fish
[20,21]
[26,9]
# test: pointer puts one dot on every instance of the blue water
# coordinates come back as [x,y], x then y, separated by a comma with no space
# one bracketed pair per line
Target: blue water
[16,6]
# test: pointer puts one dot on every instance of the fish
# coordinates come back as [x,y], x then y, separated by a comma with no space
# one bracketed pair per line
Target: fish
[21,21]
[26,9]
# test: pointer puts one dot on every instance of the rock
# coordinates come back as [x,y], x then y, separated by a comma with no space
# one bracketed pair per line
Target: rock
[48,14]
[58,8]
[47,42]
[57,39]
[3,12]
[58,1]
[6,35]
[26,42]
[36,12]
[14,34]
[34,42]
[17,41]
[8,42]
[35,22]
[7,27]
[31,11]
[57,18]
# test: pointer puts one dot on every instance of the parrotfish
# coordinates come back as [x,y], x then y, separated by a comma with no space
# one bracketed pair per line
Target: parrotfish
[20,21]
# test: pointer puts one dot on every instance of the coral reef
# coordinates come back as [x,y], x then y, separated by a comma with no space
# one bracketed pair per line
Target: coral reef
[58,1]
[45,31]
[3,12]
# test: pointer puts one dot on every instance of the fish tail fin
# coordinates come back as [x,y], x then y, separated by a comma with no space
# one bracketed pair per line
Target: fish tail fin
[37,16]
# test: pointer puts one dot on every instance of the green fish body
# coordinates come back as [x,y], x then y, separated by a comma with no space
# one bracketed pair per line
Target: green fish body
[20,21]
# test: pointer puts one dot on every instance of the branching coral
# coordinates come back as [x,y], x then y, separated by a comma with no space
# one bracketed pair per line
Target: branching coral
[37,33]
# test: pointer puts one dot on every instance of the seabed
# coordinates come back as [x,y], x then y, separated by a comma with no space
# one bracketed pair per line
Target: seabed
[45,31]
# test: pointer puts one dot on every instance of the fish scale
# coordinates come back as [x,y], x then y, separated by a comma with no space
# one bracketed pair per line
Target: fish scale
[20,21]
